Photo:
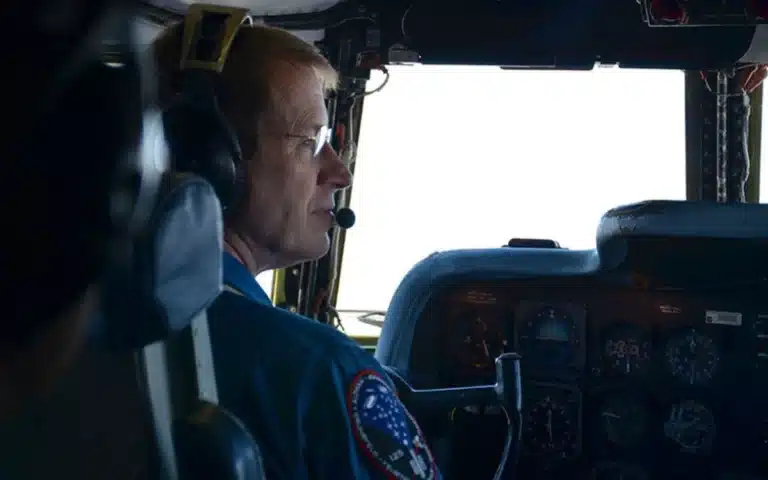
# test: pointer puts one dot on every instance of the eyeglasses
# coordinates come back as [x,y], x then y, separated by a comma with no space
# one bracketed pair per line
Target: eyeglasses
[322,137]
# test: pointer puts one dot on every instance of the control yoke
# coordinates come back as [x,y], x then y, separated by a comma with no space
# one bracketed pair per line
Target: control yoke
[506,393]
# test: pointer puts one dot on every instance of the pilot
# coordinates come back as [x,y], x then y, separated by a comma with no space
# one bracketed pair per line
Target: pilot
[319,405]
[59,163]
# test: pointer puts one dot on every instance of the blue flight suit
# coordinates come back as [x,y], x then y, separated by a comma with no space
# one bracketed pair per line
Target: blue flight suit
[319,406]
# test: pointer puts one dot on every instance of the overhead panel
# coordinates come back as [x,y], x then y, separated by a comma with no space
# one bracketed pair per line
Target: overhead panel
[257,7]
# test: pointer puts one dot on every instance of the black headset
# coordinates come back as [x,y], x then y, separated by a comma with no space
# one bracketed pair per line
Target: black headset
[201,140]
[83,151]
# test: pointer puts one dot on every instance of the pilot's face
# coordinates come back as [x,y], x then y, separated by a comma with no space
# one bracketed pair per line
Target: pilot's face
[295,172]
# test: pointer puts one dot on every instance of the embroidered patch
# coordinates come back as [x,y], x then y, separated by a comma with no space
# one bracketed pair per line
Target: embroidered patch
[386,431]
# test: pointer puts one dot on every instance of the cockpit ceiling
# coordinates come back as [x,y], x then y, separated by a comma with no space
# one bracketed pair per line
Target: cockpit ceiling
[257,7]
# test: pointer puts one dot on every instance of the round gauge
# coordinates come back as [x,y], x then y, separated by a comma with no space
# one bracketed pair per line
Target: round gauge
[547,336]
[551,428]
[627,350]
[481,343]
[691,426]
[618,471]
[693,357]
[623,421]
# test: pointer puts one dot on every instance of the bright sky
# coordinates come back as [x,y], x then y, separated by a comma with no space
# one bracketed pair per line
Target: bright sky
[456,157]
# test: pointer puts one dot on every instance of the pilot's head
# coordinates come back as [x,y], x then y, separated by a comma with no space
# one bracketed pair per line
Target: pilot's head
[272,91]
[59,165]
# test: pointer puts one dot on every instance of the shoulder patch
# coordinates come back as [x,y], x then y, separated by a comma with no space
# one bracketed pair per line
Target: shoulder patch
[386,431]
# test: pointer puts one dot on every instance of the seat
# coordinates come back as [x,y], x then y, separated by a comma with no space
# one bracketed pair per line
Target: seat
[212,443]
[112,415]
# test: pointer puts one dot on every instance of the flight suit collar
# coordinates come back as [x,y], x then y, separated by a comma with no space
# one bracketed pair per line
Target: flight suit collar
[237,277]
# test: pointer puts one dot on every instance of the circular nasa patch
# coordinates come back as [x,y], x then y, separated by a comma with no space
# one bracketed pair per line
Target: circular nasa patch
[386,431]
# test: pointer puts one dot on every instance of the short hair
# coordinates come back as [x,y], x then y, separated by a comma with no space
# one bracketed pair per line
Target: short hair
[244,89]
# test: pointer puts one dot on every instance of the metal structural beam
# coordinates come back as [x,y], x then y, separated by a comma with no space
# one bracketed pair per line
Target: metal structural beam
[722,137]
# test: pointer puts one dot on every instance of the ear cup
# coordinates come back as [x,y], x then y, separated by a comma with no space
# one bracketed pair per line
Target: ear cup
[202,142]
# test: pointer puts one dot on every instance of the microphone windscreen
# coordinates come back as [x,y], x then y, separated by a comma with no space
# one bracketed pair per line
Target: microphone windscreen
[345,218]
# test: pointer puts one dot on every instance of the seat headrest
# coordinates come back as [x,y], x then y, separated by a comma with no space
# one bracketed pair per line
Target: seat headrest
[175,269]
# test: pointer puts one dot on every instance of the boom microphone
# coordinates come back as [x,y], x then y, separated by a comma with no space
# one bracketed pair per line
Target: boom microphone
[344,218]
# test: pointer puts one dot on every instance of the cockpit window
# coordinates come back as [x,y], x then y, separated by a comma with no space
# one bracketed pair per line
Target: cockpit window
[455,157]
[265,280]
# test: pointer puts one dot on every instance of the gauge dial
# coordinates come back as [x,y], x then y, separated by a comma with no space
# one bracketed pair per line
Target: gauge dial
[691,426]
[627,350]
[552,428]
[550,336]
[618,471]
[693,357]
[481,340]
[623,421]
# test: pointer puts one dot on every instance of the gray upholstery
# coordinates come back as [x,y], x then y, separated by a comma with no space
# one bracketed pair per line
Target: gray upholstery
[175,271]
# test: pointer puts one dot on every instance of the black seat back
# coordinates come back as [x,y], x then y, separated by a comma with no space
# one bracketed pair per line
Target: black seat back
[94,425]
[110,416]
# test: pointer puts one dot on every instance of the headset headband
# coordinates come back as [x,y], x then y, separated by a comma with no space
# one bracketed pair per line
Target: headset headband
[208,34]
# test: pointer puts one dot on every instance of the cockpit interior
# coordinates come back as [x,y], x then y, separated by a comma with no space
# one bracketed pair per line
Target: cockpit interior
[644,357]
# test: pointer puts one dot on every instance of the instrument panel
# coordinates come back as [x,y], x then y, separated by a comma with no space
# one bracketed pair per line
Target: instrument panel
[617,383]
